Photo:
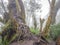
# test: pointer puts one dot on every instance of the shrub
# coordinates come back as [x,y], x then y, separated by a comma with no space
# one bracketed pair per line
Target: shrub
[55,31]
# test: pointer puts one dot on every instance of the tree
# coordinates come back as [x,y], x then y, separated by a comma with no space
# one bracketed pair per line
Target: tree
[53,15]
[57,7]
[34,6]
[49,20]
[54,10]
[20,8]
[16,7]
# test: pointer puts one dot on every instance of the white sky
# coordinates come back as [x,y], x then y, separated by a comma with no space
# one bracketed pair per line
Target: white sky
[45,7]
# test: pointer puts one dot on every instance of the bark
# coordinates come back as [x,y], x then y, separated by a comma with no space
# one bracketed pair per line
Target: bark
[16,7]
[35,24]
[49,21]
[20,8]
[52,12]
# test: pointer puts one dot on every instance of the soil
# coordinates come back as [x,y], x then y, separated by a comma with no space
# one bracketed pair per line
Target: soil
[34,41]
[31,42]
[58,40]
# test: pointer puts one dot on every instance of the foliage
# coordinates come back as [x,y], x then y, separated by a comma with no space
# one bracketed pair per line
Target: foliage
[34,31]
[9,32]
[1,41]
[13,31]
[55,31]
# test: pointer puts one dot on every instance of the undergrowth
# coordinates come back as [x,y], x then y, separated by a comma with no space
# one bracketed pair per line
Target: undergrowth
[34,31]
[54,32]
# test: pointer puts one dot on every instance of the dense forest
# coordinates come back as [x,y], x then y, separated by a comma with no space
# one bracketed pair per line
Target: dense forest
[29,22]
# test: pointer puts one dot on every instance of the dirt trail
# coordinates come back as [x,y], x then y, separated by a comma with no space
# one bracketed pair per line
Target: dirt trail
[52,43]
[26,42]
[31,42]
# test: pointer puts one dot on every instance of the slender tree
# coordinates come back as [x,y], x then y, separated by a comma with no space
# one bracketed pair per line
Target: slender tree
[49,21]
[33,7]
[53,15]
[53,8]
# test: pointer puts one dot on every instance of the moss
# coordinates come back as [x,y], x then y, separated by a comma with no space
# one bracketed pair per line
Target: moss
[1,20]
[9,32]
[12,31]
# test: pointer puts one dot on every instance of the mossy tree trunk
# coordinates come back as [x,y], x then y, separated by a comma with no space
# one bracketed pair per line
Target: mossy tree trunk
[20,9]
[17,9]
[49,20]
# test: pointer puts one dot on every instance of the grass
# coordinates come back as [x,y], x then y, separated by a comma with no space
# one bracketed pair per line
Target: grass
[34,31]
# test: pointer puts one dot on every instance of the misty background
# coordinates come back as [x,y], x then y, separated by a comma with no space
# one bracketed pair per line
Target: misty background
[34,8]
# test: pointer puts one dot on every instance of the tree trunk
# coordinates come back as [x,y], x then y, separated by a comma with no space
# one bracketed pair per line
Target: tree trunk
[52,11]
[49,21]
[20,8]
[18,11]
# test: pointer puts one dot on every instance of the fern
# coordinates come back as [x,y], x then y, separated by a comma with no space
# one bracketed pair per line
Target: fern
[55,31]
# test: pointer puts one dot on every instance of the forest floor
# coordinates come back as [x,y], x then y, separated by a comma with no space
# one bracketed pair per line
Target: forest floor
[34,42]
[30,42]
